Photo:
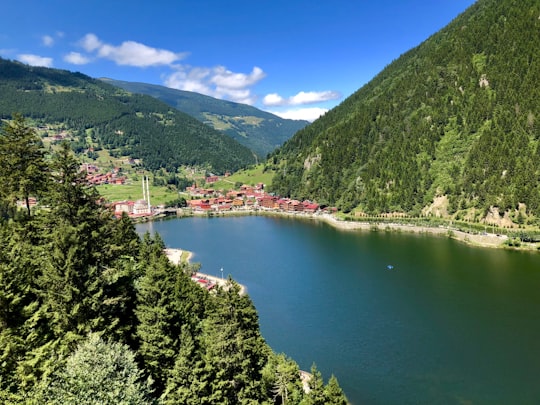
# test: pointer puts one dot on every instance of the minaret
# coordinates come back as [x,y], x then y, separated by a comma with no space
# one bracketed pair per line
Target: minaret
[148,195]
[143,189]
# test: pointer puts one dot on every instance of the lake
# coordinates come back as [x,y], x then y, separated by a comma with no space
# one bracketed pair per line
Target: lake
[448,324]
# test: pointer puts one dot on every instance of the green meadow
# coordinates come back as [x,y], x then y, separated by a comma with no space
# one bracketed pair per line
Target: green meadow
[119,192]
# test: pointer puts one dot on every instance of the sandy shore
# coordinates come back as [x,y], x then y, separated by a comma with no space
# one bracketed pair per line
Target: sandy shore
[175,256]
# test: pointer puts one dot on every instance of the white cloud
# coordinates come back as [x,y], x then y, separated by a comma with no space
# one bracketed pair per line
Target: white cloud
[308,114]
[218,82]
[301,98]
[136,54]
[273,99]
[90,42]
[224,78]
[35,60]
[76,58]
[47,40]
[130,53]
[311,97]
[189,79]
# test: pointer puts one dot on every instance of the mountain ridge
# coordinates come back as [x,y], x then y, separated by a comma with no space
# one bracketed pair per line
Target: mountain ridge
[100,115]
[259,130]
[454,117]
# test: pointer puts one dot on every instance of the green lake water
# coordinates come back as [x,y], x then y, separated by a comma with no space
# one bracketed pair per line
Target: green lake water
[449,324]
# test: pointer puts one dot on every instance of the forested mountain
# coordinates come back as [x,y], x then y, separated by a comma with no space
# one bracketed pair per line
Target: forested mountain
[91,313]
[260,131]
[454,120]
[128,124]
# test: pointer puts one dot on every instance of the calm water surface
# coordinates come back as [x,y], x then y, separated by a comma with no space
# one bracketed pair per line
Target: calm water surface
[449,324]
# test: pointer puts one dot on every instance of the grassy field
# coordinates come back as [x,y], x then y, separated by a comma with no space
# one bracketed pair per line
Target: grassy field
[250,177]
[162,194]
[114,192]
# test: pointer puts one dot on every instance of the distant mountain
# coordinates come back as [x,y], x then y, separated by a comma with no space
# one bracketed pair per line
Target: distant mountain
[452,127]
[260,131]
[126,124]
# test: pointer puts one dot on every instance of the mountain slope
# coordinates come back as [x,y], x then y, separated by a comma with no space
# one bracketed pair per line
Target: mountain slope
[454,119]
[260,131]
[127,124]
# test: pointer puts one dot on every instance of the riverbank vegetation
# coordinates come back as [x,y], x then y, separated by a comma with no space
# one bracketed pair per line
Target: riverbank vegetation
[91,312]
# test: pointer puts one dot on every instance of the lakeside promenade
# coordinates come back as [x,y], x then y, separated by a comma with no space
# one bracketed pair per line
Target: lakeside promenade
[482,240]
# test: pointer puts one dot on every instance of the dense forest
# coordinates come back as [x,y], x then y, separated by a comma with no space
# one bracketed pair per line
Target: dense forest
[454,120]
[133,125]
[92,313]
[260,131]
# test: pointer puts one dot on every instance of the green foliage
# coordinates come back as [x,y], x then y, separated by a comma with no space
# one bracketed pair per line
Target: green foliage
[22,161]
[234,352]
[281,380]
[316,394]
[126,124]
[97,372]
[167,300]
[334,393]
[455,116]
[258,130]
[89,312]
[186,380]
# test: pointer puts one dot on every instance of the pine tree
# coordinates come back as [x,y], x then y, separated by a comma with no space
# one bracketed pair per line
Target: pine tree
[24,170]
[83,284]
[18,269]
[186,385]
[70,197]
[234,351]
[334,394]
[316,394]
[281,380]
[97,372]
[158,311]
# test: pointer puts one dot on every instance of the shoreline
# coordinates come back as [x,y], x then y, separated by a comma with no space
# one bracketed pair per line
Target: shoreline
[177,256]
[487,240]
[484,240]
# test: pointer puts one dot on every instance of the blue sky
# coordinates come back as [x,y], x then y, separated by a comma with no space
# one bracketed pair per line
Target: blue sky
[295,58]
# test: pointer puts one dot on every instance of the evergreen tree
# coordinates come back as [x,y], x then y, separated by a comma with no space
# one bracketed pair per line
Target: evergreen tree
[281,380]
[18,269]
[98,372]
[70,197]
[186,384]
[24,170]
[234,351]
[160,311]
[334,394]
[83,284]
[316,393]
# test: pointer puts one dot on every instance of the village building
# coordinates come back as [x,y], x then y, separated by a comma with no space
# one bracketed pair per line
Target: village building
[123,206]
[141,207]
